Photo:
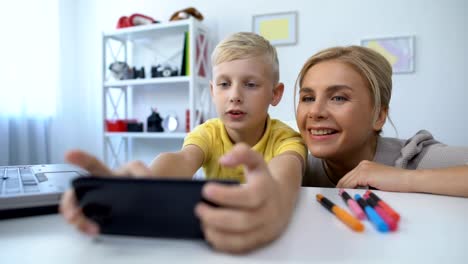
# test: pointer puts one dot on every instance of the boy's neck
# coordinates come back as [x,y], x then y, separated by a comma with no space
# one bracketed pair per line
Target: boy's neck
[249,136]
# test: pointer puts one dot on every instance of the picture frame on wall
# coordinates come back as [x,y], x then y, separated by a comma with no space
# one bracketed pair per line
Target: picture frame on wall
[399,51]
[278,28]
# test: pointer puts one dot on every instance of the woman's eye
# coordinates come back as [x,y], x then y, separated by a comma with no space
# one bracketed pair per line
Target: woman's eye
[339,98]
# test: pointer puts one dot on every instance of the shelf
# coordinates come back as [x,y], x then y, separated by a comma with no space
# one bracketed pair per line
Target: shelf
[149,81]
[149,31]
[139,45]
[175,135]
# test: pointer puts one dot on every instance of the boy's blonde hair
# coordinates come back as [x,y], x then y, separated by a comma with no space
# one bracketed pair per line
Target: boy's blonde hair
[246,45]
[375,69]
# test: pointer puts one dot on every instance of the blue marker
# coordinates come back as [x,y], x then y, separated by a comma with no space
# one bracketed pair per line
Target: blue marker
[378,222]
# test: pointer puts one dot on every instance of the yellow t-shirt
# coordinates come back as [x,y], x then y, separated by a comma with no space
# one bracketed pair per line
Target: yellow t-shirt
[212,138]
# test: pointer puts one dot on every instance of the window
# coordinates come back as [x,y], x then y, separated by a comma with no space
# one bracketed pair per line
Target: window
[29,60]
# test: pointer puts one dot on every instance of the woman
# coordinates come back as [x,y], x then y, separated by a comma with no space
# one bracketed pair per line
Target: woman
[344,96]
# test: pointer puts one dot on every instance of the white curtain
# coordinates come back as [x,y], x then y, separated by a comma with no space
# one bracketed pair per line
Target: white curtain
[29,74]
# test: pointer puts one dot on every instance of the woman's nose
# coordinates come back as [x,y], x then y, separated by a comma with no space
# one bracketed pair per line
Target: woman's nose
[318,110]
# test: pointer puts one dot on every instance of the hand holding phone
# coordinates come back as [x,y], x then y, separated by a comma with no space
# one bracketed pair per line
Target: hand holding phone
[142,207]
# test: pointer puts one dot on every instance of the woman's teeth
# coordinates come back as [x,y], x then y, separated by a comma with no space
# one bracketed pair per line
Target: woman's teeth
[321,132]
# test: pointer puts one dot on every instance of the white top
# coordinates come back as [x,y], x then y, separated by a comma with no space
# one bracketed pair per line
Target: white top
[432,229]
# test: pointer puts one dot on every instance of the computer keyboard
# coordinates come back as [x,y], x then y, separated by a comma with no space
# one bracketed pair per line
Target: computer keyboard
[14,180]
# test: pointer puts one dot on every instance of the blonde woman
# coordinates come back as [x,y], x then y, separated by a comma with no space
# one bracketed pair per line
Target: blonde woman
[343,103]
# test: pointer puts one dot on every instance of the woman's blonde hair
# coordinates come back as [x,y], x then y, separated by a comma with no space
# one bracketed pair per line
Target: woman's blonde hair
[375,69]
[246,45]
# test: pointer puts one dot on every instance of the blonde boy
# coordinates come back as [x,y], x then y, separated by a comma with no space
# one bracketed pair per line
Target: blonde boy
[244,84]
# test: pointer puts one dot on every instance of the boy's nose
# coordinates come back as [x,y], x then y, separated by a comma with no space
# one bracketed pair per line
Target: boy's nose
[236,94]
[235,100]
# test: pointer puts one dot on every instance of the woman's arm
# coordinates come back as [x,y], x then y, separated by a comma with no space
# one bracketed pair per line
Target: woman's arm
[447,181]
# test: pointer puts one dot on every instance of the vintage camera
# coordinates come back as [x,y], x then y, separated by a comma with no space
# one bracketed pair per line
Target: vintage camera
[163,71]
[138,73]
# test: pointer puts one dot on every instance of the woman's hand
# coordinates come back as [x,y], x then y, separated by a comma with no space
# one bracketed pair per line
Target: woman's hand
[376,175]
[69,206]
[251,214]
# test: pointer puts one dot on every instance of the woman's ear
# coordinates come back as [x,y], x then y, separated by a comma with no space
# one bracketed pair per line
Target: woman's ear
[381,118]
[277,94]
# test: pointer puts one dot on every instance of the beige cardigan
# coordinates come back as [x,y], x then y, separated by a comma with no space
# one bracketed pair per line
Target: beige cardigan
[421,151]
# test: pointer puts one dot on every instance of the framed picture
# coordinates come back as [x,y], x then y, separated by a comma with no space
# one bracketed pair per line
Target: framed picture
[399,51]
[278,28]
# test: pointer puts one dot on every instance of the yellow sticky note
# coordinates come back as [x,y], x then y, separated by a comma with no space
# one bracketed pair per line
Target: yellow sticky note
[275,29]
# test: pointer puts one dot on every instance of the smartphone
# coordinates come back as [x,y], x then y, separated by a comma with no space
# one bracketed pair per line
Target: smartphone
[142,207]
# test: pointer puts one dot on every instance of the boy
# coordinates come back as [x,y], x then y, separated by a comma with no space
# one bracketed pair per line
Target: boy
[244,84]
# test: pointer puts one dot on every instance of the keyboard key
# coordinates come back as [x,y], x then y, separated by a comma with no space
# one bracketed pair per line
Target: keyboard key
[11,173]
[30,189]
[27,177]
[11,191]
[41,177]
[12,183]
[29,183]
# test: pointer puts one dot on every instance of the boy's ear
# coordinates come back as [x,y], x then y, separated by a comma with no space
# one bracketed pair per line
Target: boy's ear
[381,118]
[277,94]
[211,90]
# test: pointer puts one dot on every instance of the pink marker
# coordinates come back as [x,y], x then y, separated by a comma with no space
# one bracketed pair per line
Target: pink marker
[353,205]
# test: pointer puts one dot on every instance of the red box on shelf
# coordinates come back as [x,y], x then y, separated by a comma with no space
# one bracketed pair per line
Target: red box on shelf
[116,125]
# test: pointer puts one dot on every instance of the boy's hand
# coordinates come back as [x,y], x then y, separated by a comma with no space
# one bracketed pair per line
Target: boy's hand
[69,206]
[251,214]
[376,175]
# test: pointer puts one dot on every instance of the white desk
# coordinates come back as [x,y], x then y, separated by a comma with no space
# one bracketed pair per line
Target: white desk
[433,229]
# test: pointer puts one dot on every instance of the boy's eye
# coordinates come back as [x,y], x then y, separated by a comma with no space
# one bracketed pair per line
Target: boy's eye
[223,84]
[251,85]
[307,99]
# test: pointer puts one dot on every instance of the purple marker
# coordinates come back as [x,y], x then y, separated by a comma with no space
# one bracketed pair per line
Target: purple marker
[353,205]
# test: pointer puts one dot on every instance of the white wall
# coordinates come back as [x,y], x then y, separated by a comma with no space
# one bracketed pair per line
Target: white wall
[433,97]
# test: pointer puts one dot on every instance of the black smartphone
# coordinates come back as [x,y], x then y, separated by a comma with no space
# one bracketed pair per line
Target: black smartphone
[142,207]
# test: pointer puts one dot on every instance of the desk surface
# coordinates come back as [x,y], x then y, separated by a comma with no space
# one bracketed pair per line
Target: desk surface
[433,229]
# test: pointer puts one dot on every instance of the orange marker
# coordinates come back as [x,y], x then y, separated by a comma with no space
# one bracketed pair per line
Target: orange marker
[346,218]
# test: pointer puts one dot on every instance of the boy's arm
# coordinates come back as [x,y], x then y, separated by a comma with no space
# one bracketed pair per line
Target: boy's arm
[286,170]
[255,213]
[181,164]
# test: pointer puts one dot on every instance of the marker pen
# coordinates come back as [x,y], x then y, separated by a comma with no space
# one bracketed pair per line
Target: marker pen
[392,223]
[346,218]
[384,206]
[378,222]
[352,205]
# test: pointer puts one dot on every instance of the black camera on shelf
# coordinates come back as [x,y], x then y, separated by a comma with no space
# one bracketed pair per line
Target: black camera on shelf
[138,73]
[163,71]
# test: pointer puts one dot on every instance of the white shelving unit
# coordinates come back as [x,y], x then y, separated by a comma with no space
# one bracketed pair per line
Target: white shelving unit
[146,46]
